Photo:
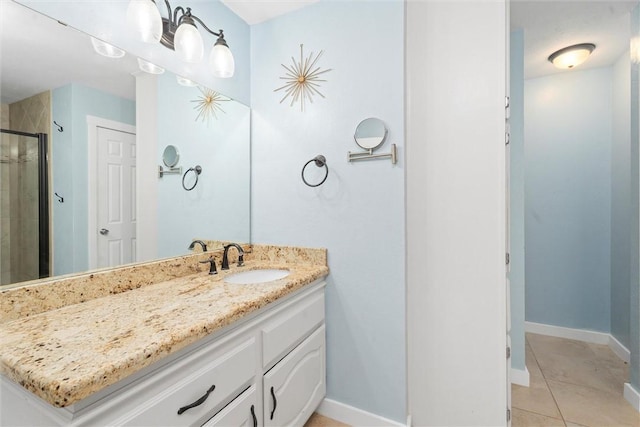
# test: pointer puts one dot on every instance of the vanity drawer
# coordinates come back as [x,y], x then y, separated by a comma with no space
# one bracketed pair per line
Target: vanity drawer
[243,411]
[230,372]
[289,328]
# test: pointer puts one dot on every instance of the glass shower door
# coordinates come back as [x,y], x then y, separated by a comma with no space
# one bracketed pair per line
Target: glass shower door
[24,210]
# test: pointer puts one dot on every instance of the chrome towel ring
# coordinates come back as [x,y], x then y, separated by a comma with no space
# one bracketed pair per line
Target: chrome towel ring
[320,161]
[198,171]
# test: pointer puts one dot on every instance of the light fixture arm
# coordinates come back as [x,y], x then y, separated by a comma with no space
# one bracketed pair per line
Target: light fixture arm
[220,34]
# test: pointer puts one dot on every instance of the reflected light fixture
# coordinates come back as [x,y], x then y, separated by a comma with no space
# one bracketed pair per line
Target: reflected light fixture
[571,56]
[148,67]
[105,49]
[179,32]
[183,81]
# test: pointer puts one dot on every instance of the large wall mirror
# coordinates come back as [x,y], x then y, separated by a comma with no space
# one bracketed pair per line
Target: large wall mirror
[54,83]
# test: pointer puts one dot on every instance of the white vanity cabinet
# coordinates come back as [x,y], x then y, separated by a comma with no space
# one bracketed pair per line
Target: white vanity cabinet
[296,385]
[280,348]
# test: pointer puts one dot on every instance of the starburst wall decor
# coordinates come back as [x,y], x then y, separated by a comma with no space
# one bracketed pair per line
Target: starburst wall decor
[208,104]
[303,81]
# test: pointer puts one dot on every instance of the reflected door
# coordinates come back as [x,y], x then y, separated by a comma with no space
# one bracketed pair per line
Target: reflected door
[24,207]
[116,217]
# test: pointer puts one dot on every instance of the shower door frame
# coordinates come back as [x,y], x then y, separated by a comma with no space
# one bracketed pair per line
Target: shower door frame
[43,199]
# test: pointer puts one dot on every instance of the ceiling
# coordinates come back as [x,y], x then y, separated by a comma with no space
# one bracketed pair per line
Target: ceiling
[257,11]
[33,59]
[551,25]
[548,26]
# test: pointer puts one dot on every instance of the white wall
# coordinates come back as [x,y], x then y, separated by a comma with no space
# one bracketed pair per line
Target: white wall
[455,121]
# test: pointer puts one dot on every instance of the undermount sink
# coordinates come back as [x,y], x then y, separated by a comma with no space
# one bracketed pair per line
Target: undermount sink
[256,276]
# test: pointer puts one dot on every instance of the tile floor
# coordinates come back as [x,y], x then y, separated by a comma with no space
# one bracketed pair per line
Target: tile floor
[318,420]
[572,383]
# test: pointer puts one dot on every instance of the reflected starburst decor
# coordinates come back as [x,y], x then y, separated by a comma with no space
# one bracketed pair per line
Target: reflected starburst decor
[208,104]
[303,81]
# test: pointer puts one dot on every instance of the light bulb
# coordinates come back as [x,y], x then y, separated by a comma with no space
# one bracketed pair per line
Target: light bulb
[144,17]
[221,61]
[188,43]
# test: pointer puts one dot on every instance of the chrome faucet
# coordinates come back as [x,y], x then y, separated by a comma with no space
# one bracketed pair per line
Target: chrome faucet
[203,244]
[225,256]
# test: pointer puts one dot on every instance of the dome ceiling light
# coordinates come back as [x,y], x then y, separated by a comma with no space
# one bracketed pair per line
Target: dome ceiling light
[571,56]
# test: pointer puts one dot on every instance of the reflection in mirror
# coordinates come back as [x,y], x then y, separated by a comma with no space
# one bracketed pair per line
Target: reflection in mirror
[51,72]
[370,133]
[170,156]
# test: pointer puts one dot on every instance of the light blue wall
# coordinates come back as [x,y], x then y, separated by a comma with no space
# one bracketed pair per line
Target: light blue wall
[218,207]
[567,199]
[62,182]
[620,200]
[358,213]
[107,20]
[70,167]
[516,196]
[634,334]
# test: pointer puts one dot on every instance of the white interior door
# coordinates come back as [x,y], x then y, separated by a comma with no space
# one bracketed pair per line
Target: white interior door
[116,195]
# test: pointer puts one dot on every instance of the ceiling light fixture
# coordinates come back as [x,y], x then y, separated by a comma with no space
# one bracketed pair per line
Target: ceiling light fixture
[148,67]
[105,49]
[571,56]
[179,33]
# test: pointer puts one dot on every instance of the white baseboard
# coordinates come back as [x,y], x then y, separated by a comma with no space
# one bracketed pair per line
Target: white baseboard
[581,335]
[570,333]
[520,376]
[353,416]
[632,396]
[620,350]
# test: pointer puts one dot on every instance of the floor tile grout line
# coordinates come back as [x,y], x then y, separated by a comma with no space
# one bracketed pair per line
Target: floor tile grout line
[538,413]
[535,358]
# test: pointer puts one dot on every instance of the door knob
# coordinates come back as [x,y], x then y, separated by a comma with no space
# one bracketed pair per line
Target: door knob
[104,231]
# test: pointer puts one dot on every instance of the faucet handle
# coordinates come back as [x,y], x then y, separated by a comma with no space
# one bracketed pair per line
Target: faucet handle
[212,266]
[241,260]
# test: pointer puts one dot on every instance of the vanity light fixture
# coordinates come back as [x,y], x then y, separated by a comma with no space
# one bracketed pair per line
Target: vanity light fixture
[183,81]
[179,32]
[105,49]
[148,67]
[571,56]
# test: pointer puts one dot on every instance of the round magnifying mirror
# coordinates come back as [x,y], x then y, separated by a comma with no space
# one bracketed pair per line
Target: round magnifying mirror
[170,156]
[370,133]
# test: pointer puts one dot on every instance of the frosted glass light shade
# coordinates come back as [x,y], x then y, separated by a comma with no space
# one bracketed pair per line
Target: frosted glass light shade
[188,43]
[144,17]
[105,49]
[221,61]
[148,67]
[571,56]
[183,81]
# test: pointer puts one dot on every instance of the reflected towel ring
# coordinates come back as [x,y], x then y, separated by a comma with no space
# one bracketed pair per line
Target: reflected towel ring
[320,161]
[198,171]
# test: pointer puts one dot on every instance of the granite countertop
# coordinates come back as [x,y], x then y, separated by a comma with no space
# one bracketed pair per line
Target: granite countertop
[66,354]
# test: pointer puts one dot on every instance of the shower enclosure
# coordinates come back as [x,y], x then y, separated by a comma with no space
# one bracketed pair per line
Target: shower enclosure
[24,206]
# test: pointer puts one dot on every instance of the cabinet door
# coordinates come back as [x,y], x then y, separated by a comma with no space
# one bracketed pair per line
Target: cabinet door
[296,385]
[242,412]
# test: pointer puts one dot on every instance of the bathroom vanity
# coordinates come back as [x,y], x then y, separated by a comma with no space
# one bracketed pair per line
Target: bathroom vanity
[192,350]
